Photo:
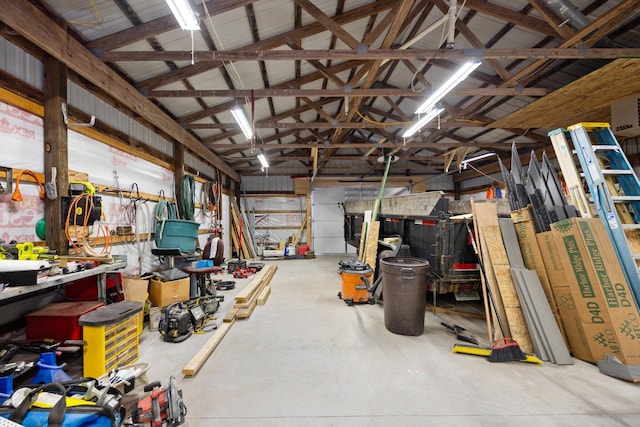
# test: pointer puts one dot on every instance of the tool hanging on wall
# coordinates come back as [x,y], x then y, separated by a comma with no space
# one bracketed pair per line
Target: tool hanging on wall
[8,179]
[17,195]
[80,213]
[187,197]
[50,187]
[66,120]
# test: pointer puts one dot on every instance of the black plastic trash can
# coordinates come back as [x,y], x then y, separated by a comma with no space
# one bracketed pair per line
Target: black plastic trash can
[404,283]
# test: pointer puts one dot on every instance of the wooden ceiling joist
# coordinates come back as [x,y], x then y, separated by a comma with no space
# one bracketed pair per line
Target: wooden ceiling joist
[300,54]
[32,24]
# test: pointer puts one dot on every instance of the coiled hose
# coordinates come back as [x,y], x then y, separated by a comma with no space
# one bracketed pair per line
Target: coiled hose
[187,197]
[164,211]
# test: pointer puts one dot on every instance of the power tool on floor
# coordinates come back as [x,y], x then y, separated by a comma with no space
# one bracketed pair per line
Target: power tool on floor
[176,326]
[163,407]
[180,320]
[243,273]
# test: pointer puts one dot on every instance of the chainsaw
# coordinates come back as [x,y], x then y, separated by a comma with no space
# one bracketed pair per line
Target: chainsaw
[163,406]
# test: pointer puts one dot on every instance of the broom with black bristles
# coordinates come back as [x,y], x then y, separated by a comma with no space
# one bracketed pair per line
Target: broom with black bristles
[506,350]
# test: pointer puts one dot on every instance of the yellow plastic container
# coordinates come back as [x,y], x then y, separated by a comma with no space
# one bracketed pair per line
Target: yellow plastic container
[111,336]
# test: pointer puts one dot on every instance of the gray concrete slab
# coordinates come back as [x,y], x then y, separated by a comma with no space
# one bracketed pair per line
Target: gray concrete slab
[308,359]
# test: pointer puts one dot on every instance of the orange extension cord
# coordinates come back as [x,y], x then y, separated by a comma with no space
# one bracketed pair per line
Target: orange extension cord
[80,241]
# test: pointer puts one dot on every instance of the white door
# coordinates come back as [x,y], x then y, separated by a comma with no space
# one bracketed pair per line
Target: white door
[328,221]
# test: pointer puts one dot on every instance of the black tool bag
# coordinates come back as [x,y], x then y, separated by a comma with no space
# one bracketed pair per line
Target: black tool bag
[92,413]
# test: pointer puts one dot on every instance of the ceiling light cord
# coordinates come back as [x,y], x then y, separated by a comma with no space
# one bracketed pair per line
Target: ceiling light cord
[445,21]
[253,122]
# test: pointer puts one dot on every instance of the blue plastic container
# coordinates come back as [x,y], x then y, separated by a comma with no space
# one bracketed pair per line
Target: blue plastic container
[177,233]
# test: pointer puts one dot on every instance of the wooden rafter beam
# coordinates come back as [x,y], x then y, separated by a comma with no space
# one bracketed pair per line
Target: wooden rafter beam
[364,145]
[328,23]
[36,27]
[331,125]
[298,93]
[160,25]
[298,54]
[273,42]
[337,93]
[512,16]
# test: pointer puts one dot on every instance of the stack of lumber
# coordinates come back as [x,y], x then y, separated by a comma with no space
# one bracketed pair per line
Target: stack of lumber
[255,293]
[240,233]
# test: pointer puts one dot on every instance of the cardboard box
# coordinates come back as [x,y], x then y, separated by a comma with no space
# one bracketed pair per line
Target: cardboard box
[161,294]
[135,288]
[603,301]
[576,337]
[576,340]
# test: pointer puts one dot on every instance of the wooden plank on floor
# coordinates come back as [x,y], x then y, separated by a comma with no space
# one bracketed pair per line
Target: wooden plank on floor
[196,362]
[245,312]
[245,293]
[264,295]
[230,316]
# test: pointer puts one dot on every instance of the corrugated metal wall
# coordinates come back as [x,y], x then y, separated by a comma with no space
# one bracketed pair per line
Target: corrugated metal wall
[267,184]
[19,63]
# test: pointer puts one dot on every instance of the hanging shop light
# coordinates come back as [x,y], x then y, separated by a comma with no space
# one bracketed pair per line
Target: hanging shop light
[435,111]
[242,121]
[443,90]
[185,16]
[263,160]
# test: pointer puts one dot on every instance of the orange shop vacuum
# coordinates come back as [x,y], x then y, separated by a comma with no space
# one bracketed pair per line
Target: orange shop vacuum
[354,287]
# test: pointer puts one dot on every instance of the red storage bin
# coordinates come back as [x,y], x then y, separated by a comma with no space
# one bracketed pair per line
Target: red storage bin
[87,288]
[59,320]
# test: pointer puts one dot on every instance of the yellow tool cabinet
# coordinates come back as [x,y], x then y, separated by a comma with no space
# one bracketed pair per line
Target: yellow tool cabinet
[111,337]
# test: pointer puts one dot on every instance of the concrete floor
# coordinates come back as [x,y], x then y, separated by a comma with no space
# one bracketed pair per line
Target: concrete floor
[308,359]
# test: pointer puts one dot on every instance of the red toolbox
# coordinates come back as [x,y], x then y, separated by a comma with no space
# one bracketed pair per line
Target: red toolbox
[59,320]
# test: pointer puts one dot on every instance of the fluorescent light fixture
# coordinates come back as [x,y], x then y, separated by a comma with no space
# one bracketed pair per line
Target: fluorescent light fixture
[465,162]
[185,16]
[238,114]
[263,160]
[454,81]
[425,119]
